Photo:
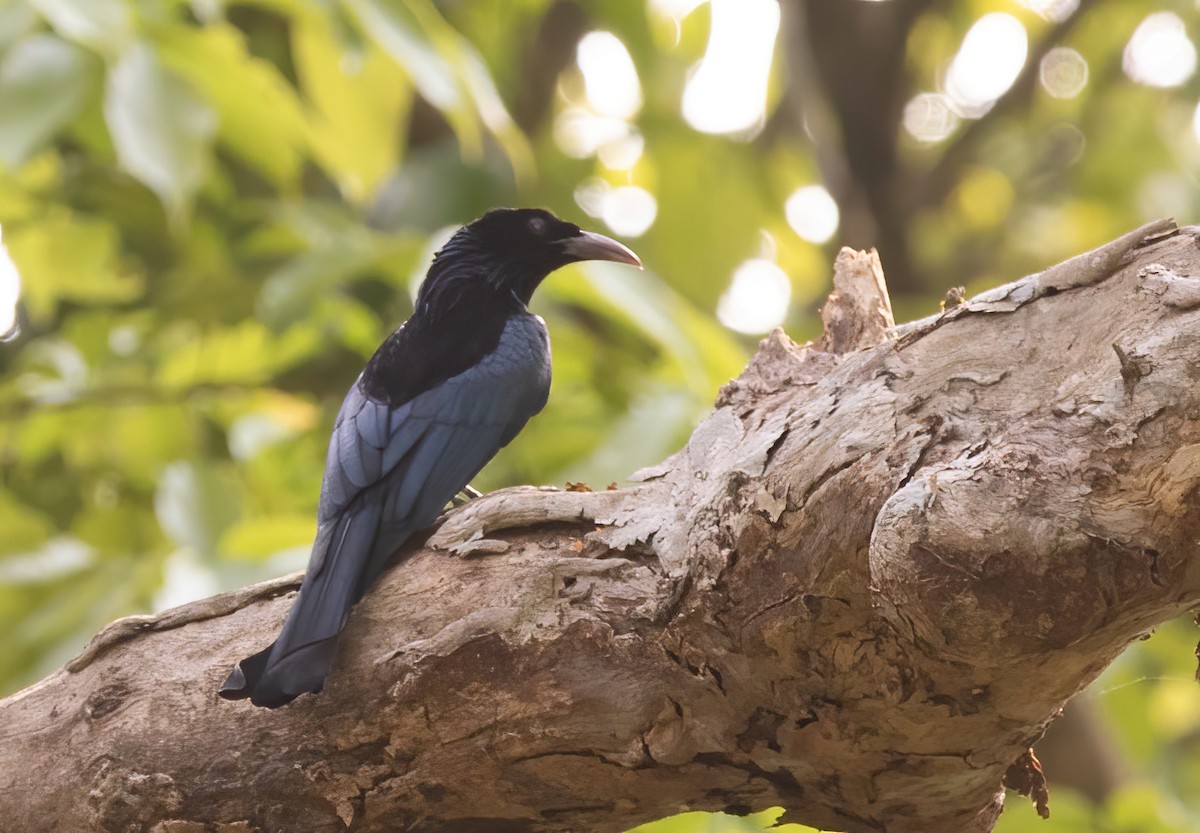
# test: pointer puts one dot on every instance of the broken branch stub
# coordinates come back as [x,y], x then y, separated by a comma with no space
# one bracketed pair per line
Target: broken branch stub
[858,313]
[861,591]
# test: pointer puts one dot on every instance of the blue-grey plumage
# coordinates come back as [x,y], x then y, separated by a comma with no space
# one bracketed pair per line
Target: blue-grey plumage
[389,473]
[439,398]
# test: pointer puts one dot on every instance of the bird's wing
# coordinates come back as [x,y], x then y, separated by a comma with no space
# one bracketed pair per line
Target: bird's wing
[420,453]
[413,459]
[389,472]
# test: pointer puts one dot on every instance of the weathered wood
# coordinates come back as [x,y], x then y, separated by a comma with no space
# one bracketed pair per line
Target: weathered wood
[861,591]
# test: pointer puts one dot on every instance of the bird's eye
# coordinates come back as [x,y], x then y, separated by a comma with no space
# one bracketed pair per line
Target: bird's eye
[537,225]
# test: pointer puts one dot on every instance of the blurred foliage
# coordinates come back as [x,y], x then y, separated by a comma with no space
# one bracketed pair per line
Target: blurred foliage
[218,209]
[767,820]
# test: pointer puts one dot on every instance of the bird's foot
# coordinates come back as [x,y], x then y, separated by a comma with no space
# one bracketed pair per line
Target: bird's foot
[467,494]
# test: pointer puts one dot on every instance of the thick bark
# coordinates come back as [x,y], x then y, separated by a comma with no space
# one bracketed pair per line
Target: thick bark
[862,590]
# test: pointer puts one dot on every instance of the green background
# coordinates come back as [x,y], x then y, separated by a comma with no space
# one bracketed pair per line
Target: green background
[219,209]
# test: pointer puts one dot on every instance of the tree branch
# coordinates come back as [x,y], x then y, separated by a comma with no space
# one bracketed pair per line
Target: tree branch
[861,591]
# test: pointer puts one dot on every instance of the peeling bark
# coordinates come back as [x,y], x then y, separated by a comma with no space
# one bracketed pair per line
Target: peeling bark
[862,591]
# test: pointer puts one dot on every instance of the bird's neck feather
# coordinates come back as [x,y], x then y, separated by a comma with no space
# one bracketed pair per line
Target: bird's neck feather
[466,271]
[427,350]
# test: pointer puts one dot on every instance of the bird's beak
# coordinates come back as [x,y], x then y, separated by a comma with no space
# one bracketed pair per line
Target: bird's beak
[588,245]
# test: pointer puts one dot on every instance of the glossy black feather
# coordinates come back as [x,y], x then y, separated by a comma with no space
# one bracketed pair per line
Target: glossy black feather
[415,359]
[438,399]
[513,256]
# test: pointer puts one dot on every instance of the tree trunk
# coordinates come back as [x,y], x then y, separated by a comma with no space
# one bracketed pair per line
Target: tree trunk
[862,591]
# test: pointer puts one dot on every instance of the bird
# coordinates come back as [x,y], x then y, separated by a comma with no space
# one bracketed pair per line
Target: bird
[445,391]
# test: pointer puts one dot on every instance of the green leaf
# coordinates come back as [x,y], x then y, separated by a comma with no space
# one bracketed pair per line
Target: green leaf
[115,531]
[656,424]
[261,119]
[705,352]
[246,353]
[710,171]
[496,116]
[43,83]
[448,71]
[103,25]
[698,822]
[397,28]
[290,292]
[196,502]
[257,539]
[24,527]
[162,128]
[63,257]
[359,98]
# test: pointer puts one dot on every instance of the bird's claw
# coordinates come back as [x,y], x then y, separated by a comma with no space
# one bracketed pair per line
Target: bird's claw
[468,494]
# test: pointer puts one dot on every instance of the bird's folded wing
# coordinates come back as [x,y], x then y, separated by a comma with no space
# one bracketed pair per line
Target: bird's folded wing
[412,459]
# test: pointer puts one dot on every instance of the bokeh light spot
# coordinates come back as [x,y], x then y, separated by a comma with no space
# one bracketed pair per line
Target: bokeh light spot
[812,213]
[590,194]
[988,62]
[622,154]
[629,211]
[1063,72]
[1056,11]
[10,293]
[124,340]
[1160,54]
[728,93]
[609,76]
[580,133]
[757,299]
[1065,144]
[1165,194]
[929,117]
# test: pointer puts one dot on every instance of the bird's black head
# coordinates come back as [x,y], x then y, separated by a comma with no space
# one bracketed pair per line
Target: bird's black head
[513,249]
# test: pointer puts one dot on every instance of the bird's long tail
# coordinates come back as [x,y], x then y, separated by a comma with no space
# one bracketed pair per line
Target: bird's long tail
[346,554]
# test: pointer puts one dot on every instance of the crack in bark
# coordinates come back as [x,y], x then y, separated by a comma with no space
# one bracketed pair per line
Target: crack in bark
[933,423]
[824,478]
[775,446]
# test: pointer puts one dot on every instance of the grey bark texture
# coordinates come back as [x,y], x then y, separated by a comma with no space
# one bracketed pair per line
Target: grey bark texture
[861,591]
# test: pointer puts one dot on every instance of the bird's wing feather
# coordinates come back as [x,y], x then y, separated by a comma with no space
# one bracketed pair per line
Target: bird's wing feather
[372,439]
[451,432]
[389,472]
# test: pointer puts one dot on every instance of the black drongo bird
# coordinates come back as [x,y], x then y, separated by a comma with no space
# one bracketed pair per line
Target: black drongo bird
[446,391]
